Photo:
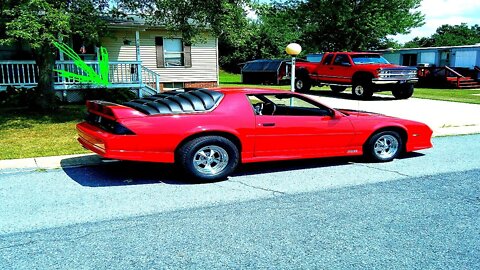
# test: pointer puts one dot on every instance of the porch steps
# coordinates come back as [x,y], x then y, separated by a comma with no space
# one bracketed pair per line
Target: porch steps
[463,83]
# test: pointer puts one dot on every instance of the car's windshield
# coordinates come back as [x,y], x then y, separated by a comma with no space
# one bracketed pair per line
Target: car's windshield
[360,59]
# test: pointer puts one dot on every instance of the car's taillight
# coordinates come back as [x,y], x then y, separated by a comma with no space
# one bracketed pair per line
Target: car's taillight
[120,129]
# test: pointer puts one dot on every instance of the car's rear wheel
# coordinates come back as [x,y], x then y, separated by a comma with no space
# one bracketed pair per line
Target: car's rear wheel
[403,92]
[384,146]
[337,89]
[362,89]
[303,84]
[208,158]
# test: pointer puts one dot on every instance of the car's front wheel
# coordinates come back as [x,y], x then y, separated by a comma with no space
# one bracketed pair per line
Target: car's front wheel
[208,158]
[384,146]
[403,92]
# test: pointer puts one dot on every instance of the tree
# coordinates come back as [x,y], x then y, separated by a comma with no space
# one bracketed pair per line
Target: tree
[40,22]
[449,35]
[332,25]
[263,37]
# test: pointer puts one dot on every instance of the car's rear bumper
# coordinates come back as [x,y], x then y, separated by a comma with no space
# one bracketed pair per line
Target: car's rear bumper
[117,146]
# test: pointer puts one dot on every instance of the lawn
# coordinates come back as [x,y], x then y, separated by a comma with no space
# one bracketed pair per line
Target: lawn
[456,95]
[26,134]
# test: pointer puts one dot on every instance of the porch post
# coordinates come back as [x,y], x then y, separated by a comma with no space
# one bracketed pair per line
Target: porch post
[62,67]
[139,59]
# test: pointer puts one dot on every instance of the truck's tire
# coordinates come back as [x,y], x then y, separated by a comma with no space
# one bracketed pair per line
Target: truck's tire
[403,91]
[302,84]
[362,89]
[337,89]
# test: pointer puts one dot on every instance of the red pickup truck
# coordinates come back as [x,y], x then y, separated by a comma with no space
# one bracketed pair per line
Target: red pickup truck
[366,73]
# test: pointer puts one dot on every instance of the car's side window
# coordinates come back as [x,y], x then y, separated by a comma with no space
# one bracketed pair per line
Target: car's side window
[286,105]
[341,60]
[328,59]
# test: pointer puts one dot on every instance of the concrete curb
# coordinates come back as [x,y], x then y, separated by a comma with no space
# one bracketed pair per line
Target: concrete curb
[52,162]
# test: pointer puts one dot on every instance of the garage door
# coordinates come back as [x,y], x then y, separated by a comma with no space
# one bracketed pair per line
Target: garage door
[465,59]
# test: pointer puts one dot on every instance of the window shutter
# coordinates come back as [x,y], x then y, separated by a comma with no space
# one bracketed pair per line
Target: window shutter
[159,50]
[187,50]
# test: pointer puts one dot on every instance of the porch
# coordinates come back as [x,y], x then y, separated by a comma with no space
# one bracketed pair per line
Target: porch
[122,74]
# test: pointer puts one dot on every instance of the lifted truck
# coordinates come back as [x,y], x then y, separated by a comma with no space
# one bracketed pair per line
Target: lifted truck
[366,73]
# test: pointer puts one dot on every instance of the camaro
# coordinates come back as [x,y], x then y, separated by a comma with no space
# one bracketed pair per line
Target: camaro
[207,133]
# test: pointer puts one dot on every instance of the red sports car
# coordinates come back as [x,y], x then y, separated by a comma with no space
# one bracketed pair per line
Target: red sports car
[209,132]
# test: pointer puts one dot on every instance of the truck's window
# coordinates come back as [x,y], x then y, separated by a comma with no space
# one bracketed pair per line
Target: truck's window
[328,59]
[360,59]
[341,60]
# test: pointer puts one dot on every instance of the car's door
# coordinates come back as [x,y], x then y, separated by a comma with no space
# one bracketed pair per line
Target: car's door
[340,71]
[298,127]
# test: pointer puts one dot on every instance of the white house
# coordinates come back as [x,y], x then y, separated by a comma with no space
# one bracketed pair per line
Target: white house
[143,57]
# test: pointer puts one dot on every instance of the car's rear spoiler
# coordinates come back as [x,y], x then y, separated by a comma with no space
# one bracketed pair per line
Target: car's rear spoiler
[112,111]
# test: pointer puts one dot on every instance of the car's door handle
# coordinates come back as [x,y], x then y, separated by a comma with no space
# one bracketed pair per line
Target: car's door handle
[268,124]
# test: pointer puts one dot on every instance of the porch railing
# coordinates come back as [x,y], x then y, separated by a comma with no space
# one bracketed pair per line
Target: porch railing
[23,73]
[121,74]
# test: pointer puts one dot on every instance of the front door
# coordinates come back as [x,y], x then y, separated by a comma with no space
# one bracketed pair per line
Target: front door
[289,126]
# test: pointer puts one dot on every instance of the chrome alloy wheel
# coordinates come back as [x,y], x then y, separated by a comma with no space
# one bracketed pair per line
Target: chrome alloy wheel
[299,84]
[359,90]
[386,146]
[210,160]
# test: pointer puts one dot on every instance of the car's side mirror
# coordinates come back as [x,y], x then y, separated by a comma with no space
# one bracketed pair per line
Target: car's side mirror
[336,114]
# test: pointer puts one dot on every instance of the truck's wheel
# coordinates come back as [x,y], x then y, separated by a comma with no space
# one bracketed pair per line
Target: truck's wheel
[208,158]
[403,91]
[337,89]
[362,90]
[302,84]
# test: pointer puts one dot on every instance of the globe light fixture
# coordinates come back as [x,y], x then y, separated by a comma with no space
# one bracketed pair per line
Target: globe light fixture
[293,49]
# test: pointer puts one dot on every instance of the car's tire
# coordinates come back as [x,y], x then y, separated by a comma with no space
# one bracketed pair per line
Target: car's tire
[302,84]
[362,89]
[208,158]
[337,89]
[383,146]
[403,91]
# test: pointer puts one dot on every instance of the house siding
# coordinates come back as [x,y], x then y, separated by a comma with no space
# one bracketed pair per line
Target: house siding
[204,56]
[459,56]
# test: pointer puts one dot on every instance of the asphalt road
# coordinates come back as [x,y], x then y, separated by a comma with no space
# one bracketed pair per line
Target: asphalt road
[418,212]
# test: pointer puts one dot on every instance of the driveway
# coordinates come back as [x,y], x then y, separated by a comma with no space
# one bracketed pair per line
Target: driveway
[443,117]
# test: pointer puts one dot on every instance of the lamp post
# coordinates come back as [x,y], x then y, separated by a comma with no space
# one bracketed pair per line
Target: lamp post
[293,49]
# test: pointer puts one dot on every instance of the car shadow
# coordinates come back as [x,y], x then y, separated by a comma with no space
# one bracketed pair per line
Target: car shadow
[127,173]
[348,95]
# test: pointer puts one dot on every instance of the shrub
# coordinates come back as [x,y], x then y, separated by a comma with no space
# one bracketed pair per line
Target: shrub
[118,95]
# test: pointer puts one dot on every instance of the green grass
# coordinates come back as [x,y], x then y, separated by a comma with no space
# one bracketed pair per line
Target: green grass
[455,95]
[26,134]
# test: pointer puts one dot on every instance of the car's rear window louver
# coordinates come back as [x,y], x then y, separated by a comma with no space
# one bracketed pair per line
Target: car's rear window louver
[177,101]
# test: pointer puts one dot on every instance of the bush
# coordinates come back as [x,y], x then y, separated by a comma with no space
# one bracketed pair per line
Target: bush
[118,95]
[15,97]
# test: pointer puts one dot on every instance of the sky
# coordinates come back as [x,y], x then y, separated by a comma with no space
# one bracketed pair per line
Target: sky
[439,12]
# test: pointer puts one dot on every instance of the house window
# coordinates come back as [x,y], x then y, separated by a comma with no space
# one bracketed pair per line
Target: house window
[409,59]
[172,52]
